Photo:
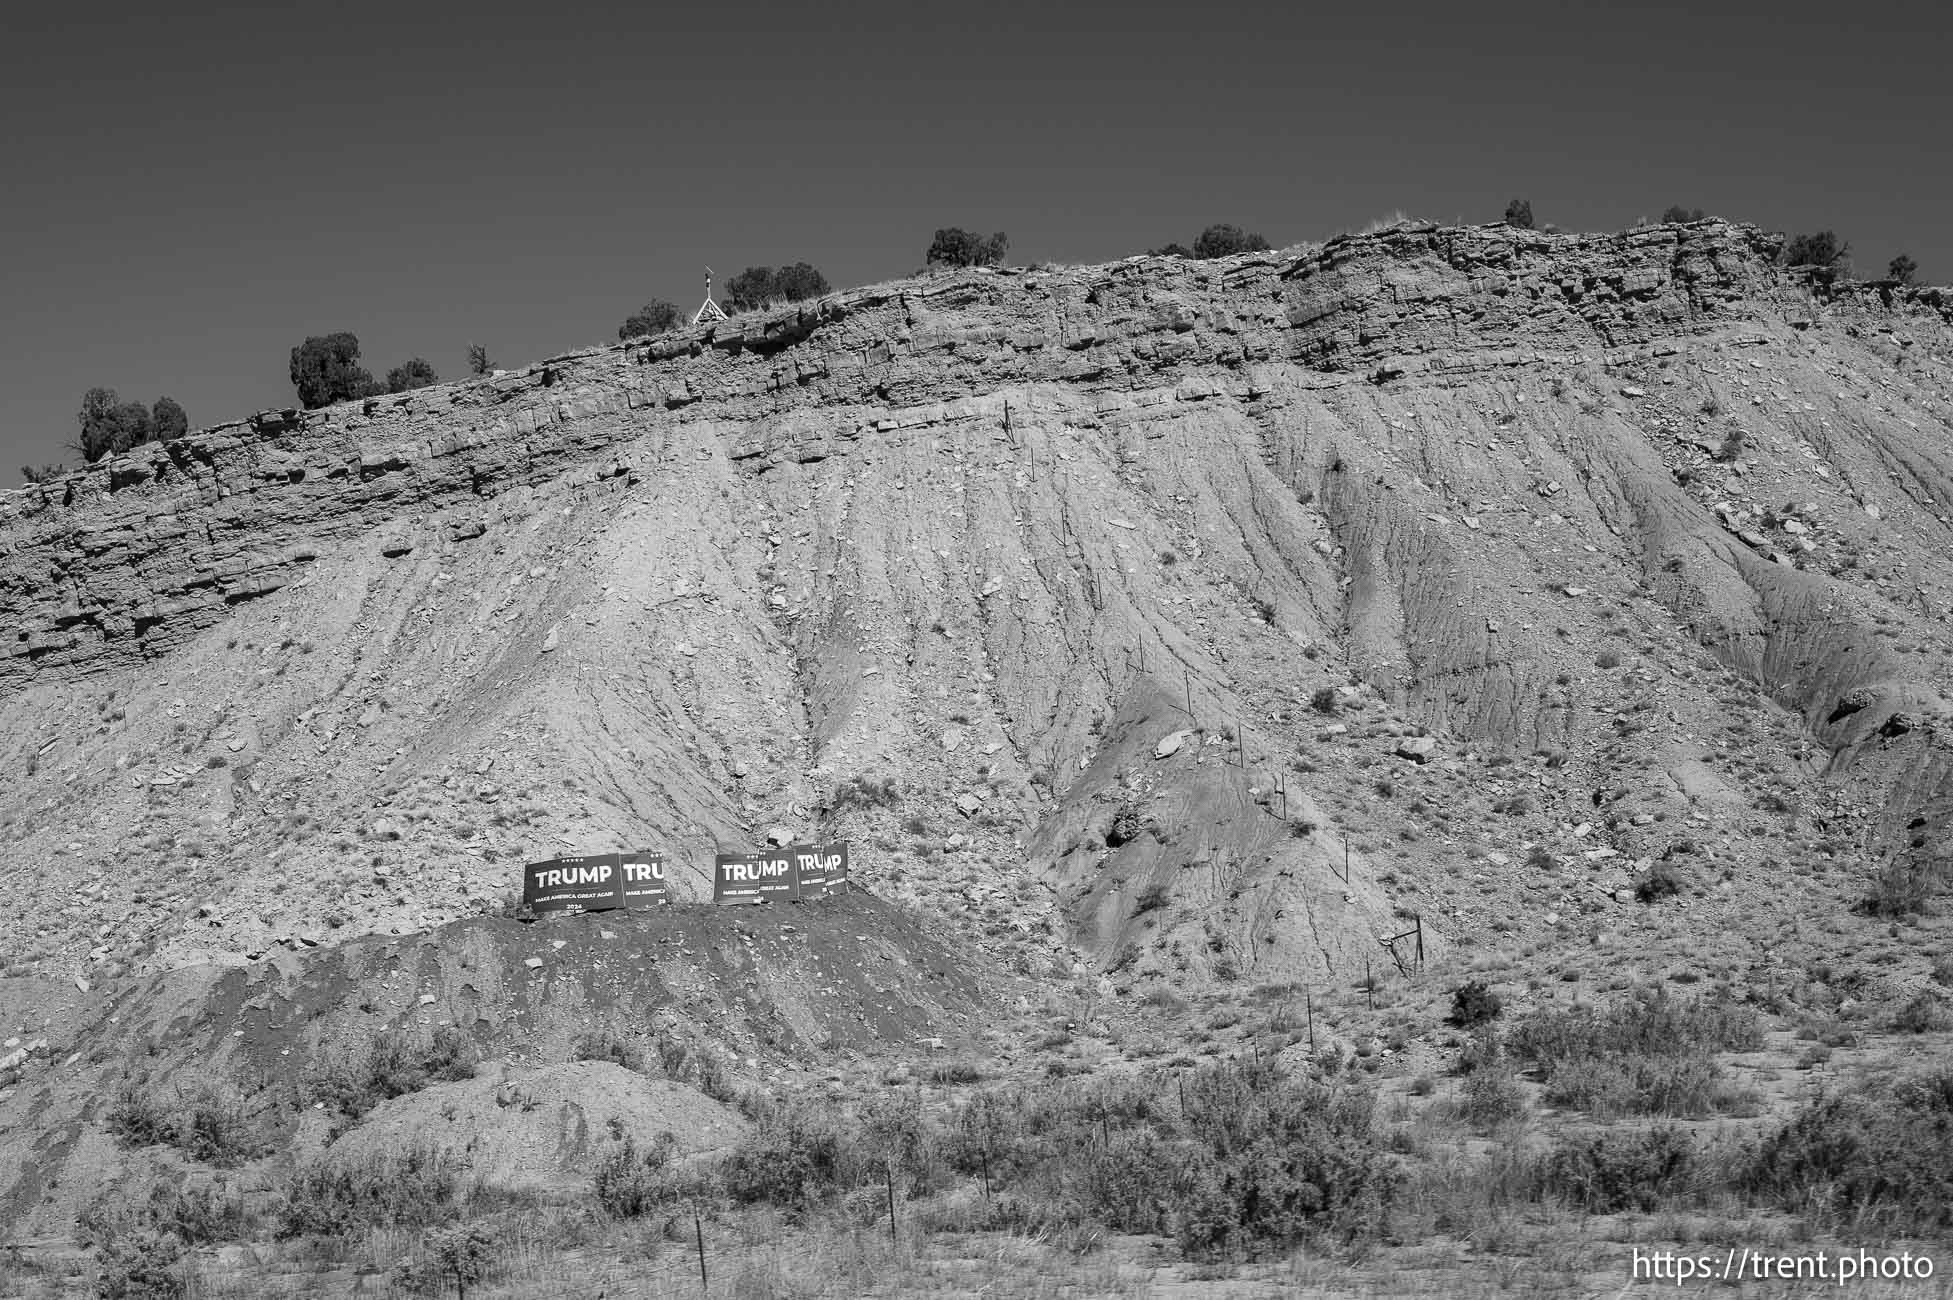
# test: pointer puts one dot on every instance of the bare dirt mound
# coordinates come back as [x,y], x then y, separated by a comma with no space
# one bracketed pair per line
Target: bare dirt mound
[541,1130]
[744,993]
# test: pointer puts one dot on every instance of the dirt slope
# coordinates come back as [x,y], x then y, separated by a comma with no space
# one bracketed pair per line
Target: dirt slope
[1647,541]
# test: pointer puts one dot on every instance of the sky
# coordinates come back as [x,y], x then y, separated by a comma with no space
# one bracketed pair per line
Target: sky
[185,197]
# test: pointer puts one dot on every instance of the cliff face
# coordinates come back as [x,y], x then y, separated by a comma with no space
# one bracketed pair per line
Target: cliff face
[129,557]
[1599,514]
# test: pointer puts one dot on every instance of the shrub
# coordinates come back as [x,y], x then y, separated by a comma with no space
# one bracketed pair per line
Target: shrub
[1924,1014]
[138,1119]
[1662,881]
[464,1253]
[795,1159]
[1250,1157]
[1649,1054]
[478,362]
[699,1066]
[891,1131]
[1822,255]
[607,1045]
[409,375]
[1875,1161]
[1170,250]
[654,317]
[864,792]
[1610,1172]
[1680,216]
[1151,899]
[140,1266]
[1323,700]
[1224,240]
[324,370]
[625,1187]
[397,1063]
[1473,1004]
[1902,888]
[42,473]
[342,1197]
[1902,269]
[195,1216]
[1275,1160]
[168,420]
[1608,659]
[1519,213]
[110,425]
[215,1130]
[954,246]
[1491,1097]
[761,286]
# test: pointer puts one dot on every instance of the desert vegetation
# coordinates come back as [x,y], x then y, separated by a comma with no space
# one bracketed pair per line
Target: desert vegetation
[110,425]
[655,317]
[954,246]
[325,369]
[768,286]
[1235,1165]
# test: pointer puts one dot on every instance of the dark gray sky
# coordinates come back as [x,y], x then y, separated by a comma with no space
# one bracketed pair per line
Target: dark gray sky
[186,196]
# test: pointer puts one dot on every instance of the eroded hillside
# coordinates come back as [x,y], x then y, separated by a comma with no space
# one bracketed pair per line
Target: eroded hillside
[1166,620]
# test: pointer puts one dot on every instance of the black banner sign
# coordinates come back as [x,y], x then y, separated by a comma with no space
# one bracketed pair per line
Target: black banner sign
[822,868]
[767,876]
[644,878]
[589,883]
[794,873]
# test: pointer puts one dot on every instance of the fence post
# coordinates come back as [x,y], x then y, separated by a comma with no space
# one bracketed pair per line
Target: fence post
[889,1170]
[698,1227]
[1309,1003]
[1186,676]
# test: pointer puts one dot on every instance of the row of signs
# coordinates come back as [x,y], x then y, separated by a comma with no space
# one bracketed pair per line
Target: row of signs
[595,882]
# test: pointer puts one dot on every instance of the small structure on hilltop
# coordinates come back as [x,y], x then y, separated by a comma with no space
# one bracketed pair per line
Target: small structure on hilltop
[708,310]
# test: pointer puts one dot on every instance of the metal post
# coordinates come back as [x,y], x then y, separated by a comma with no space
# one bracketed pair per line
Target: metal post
[1309,1004]
[1186,676]
[698,1226]
[889,1170]
[1369,983]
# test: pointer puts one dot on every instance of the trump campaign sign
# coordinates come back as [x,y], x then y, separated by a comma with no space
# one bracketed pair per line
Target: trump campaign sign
[792,874]
[594,882]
